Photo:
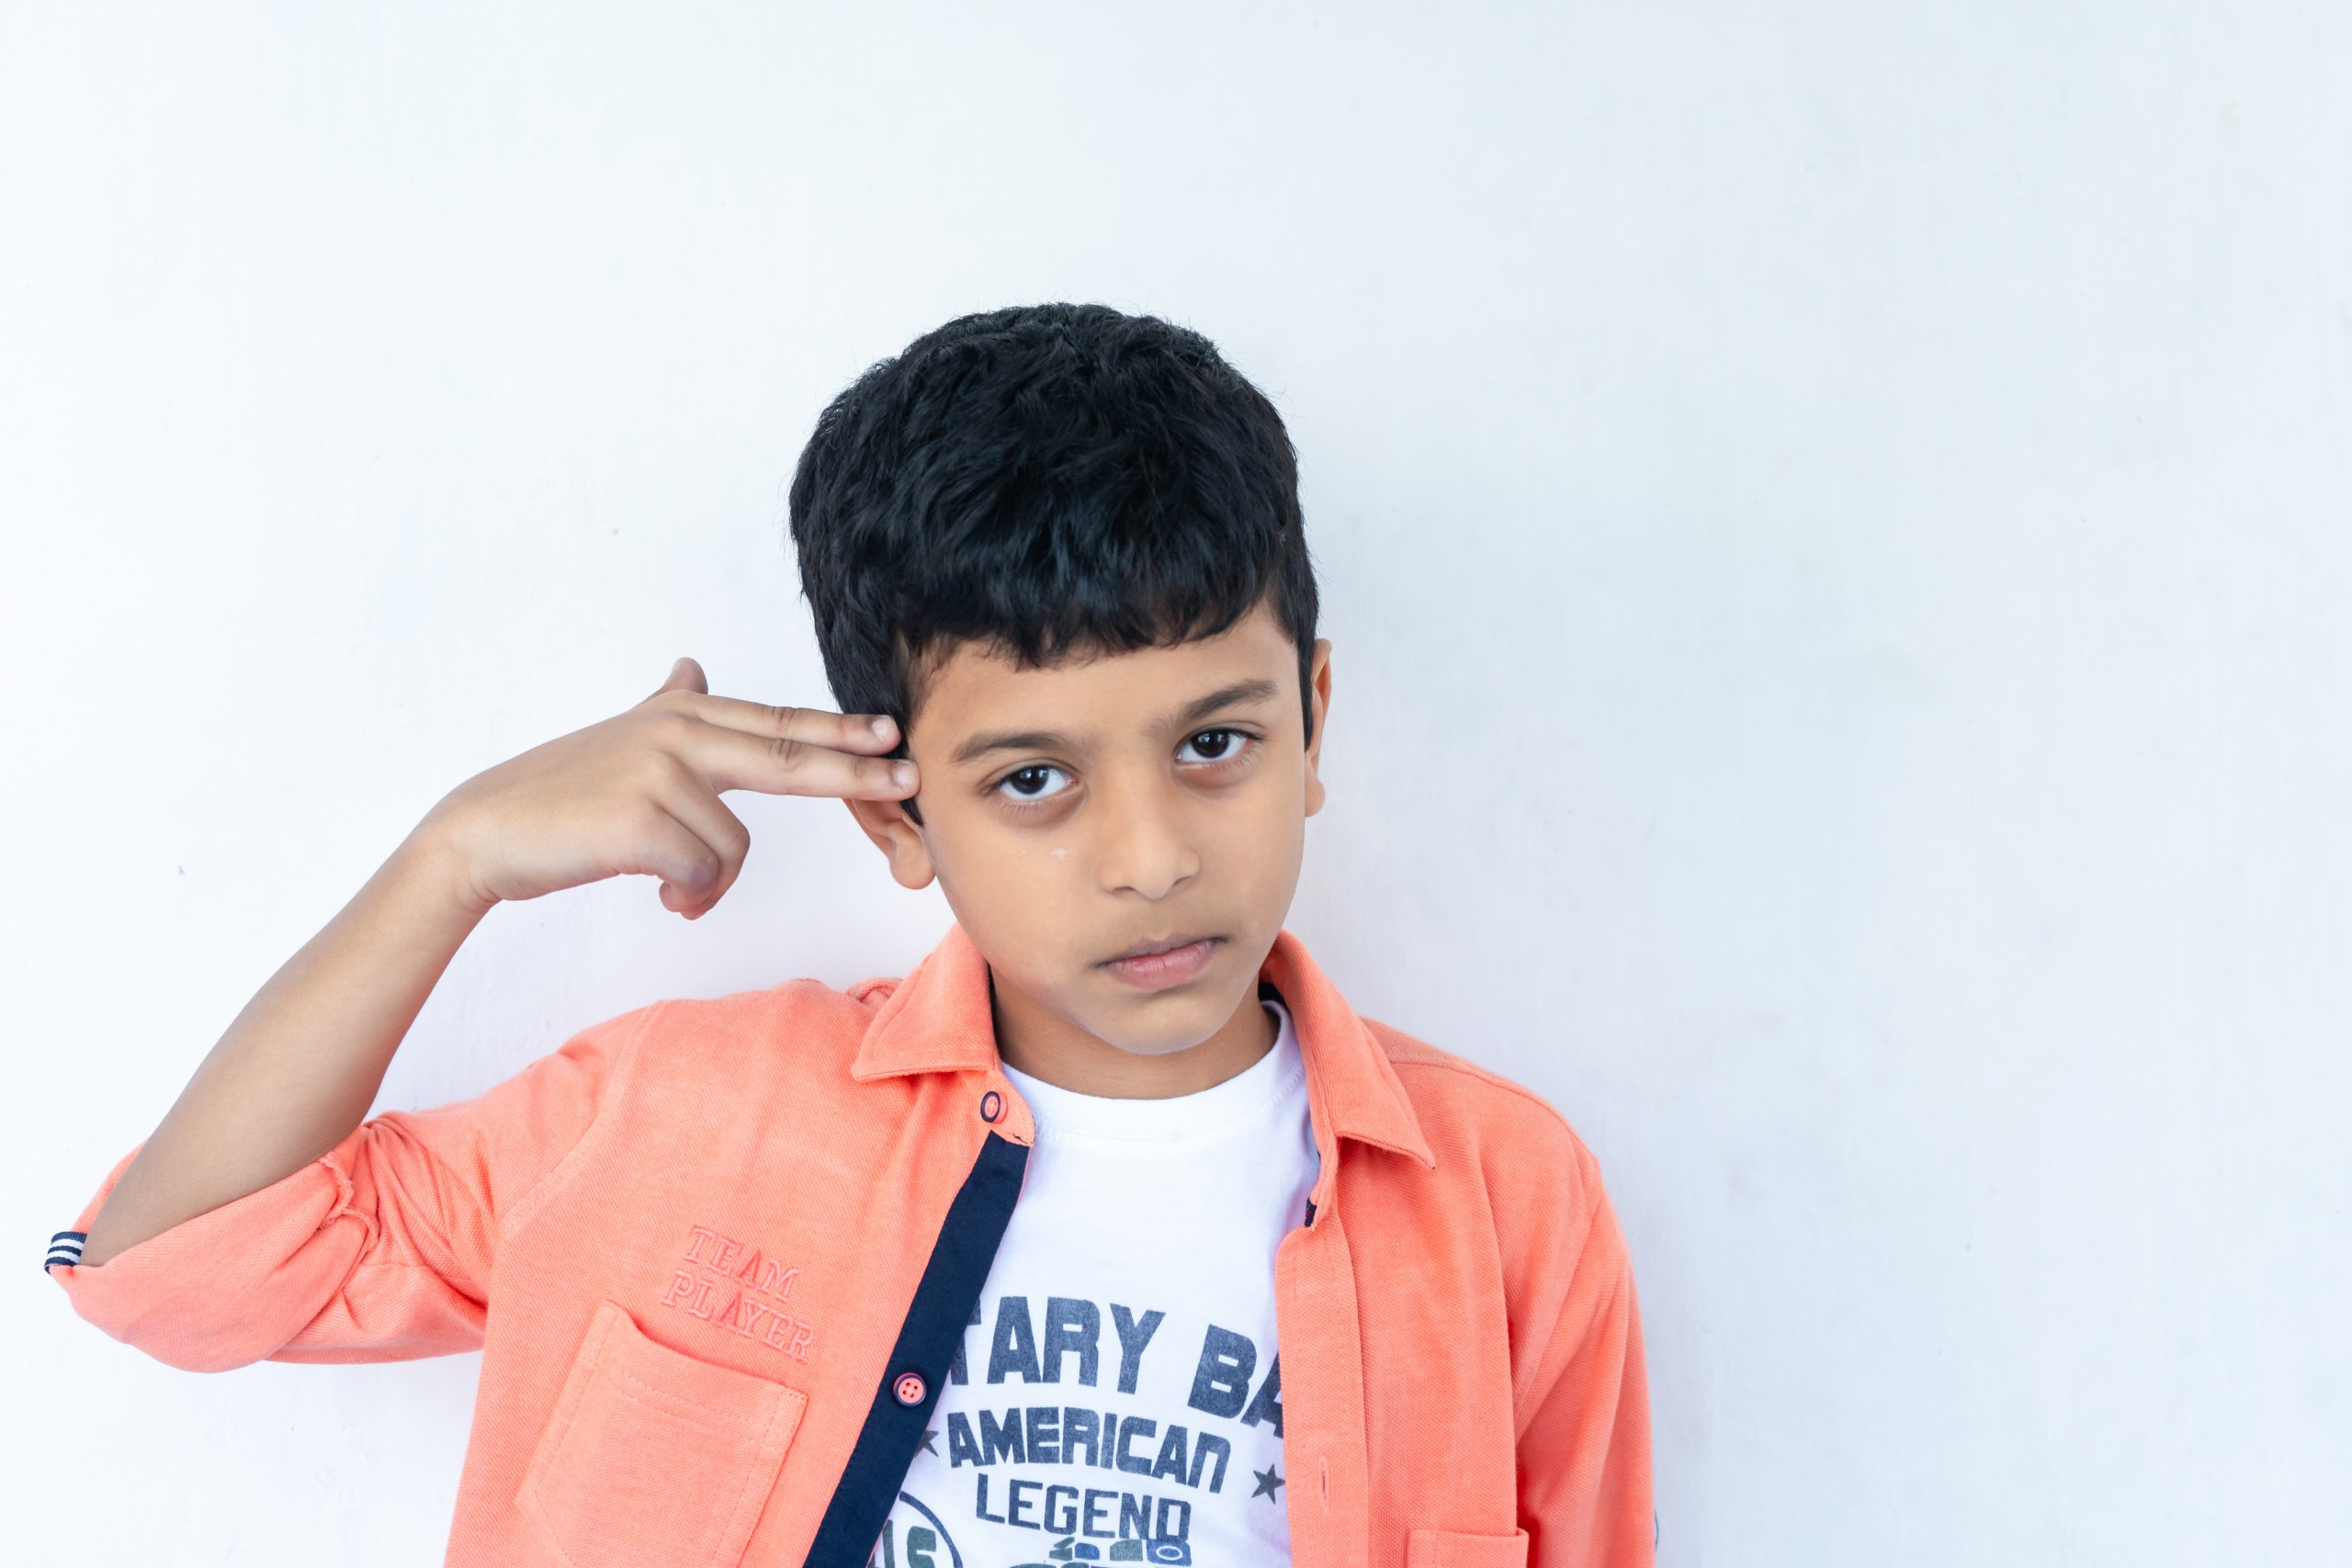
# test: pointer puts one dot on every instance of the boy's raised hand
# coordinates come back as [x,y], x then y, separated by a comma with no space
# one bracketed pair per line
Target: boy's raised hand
[298,1068]
[638,794]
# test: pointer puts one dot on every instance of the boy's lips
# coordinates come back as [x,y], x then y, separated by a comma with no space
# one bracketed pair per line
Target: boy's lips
[1156,965]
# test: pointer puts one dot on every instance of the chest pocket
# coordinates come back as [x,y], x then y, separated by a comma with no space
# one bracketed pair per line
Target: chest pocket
[653,1459]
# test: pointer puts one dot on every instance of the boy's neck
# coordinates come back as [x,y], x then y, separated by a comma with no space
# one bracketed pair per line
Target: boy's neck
[1055,1050]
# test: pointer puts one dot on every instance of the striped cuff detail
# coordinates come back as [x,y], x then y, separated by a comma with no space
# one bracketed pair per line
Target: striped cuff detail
[65,1247]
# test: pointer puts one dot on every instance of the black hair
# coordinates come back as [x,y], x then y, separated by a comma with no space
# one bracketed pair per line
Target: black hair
[1054,480]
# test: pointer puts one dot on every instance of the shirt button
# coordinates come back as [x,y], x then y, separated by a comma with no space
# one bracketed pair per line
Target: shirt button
[910,1389]
[991,1108]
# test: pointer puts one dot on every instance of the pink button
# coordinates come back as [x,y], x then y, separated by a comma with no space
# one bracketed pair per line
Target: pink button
[910,1388]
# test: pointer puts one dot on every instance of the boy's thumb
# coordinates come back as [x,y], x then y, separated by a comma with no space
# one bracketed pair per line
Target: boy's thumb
[685,675]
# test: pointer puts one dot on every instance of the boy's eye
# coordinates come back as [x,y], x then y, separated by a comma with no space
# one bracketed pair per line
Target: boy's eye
[1210,745]
[1036,782]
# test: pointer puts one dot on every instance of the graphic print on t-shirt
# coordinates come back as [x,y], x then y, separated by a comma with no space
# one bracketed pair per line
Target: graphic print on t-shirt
[1091,1425]
[1117,1396]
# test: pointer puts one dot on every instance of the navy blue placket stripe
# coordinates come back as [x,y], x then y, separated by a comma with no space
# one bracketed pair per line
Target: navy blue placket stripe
[928,1340]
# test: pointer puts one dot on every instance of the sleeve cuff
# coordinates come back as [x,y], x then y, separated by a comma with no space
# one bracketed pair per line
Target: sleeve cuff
[65,1247]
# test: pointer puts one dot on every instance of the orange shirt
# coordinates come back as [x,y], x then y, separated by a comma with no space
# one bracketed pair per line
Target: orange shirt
[717,1255]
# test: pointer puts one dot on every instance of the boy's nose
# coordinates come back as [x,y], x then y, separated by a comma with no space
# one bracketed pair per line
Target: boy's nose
[1144,849]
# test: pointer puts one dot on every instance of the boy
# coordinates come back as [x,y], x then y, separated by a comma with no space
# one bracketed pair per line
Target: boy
[1109,1234]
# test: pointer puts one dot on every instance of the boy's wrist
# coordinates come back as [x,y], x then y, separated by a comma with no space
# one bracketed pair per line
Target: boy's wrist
[434,861]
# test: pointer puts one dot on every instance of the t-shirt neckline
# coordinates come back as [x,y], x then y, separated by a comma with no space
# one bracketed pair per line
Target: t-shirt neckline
[1265,1083]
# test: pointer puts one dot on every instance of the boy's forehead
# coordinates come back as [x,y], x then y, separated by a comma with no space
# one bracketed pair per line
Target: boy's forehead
[975,687]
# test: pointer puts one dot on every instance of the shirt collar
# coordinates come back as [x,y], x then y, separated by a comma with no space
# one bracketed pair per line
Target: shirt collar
[937,1020]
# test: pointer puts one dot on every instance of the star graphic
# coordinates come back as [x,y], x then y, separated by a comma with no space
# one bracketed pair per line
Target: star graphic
[929,1433]
[1267,1482]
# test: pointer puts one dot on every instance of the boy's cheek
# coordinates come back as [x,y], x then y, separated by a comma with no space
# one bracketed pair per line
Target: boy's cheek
[1018,907]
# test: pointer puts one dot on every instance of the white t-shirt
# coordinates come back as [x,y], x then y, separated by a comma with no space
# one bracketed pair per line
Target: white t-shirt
[1118,1396]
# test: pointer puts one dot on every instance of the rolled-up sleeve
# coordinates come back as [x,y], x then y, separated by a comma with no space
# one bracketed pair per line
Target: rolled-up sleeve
[380,1249]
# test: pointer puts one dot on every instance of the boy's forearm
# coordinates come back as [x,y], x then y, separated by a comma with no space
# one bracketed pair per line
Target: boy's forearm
[637,793]
[300,1067]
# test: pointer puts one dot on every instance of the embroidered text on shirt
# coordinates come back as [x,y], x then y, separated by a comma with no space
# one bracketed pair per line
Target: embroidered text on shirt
[749,1288]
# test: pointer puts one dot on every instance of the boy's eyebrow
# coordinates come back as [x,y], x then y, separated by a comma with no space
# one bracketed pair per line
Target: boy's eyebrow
[980,745]
[1226,696]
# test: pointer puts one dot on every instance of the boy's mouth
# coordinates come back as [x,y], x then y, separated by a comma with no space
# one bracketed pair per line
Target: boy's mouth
[1158,965]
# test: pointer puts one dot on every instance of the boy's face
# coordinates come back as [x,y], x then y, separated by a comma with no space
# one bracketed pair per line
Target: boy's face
[1119,835]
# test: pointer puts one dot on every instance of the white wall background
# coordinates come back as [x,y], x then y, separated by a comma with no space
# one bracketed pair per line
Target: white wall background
[1836,521]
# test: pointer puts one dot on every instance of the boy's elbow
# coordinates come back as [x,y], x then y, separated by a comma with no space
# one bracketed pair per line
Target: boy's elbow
[183,1332]
[227,1287]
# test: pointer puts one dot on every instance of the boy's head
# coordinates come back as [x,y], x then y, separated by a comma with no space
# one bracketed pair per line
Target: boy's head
[1062,546]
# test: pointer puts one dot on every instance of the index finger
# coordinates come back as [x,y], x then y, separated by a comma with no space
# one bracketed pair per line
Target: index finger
[727,758]
[867,734]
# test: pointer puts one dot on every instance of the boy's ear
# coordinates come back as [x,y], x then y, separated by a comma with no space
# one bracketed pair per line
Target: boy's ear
[900,841]
[1319,689]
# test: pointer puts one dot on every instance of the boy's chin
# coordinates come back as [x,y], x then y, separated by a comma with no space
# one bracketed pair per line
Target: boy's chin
[1162,1023]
